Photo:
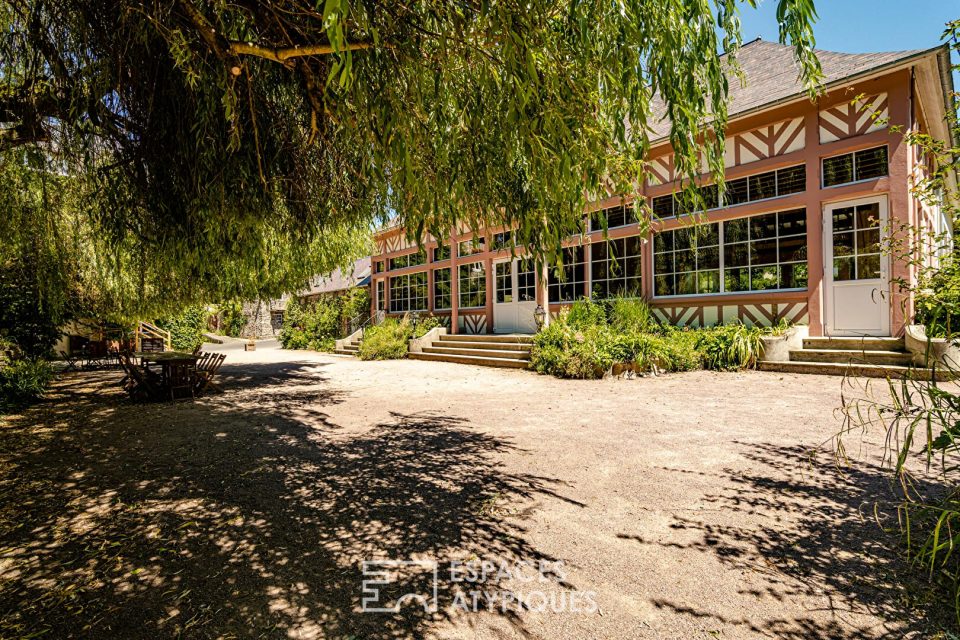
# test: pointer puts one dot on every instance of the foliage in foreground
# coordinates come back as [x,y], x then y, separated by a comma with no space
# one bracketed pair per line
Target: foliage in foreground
[318,325]
[589,339]
[921,422]
[938,300]
[22,382]
[390,339]
[28,324]
[252,146]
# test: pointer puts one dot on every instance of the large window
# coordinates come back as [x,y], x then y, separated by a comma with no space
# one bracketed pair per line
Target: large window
[758,253]
[615,268]
[408,293]
[526,281]
[502,240]
[766,252]
[854,167]
[618,216]
[762,186]
[441,289]
[409,260]
[441,252]
[472,285]
[470,247]
[566,283]
[687,260]
[381,301]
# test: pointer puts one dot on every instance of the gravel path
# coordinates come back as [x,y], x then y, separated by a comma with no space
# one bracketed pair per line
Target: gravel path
[685,506]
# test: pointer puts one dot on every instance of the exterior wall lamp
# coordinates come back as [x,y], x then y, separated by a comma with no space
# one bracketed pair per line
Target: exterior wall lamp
[539,315]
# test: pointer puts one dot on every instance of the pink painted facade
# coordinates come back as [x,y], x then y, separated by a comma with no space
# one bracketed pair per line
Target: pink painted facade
[791,205]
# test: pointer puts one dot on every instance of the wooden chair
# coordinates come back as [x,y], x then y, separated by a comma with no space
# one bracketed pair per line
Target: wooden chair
[72,361]
[203,360]
[181,377]
[140,382]
[206,375]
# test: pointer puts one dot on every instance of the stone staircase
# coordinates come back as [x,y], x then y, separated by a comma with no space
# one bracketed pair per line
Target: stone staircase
[864,357]
[486,350]
[350,347]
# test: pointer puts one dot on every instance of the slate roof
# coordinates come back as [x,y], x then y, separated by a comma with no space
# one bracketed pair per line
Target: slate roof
[771,75]
[357,275]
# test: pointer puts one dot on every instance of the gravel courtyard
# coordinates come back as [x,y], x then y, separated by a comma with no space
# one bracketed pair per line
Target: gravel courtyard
[685,506]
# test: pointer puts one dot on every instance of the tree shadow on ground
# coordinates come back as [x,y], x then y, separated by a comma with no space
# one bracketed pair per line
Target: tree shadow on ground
[245,514]
[804,527]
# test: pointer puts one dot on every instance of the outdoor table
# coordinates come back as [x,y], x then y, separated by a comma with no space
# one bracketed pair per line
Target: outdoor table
[167,360]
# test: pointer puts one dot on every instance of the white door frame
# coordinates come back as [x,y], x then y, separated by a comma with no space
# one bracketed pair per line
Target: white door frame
[859,294]
[512,317]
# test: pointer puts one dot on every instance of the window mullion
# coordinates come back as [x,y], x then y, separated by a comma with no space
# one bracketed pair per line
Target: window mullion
[721,236]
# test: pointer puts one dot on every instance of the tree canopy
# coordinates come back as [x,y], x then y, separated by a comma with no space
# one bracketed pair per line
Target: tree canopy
[183,150]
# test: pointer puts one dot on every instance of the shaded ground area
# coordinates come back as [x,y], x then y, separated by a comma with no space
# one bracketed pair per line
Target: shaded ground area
[687,506]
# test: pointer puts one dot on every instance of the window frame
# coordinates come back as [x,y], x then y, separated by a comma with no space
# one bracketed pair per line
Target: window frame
[853,166]
[629,216]
[621,261]
[406,257]
[461,289]
[553,283]
[722,205]
[721,246]
[449,294]
[407,288]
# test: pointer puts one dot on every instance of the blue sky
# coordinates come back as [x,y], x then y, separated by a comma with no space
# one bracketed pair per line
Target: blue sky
[861,26]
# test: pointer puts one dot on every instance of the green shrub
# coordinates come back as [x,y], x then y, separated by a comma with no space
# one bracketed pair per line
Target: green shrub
[30,325]
[388,340]
[319,324]
[678,350]
[187,328]
[567,351]
[425,325]
[938,300]
[730,347]
[629,315]
[232,319]
[585,314]
[23,382]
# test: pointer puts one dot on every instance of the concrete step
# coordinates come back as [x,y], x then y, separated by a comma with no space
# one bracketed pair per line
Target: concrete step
[858,370]
[846,356]
[482,361]
[856,343]
[488,337]
[486,353]
[344,352]
[480,343]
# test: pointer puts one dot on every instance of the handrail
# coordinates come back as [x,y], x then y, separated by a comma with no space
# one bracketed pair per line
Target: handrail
[151,330]
[353,327]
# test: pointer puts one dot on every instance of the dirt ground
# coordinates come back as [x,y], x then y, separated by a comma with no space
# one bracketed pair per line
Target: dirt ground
[685,506]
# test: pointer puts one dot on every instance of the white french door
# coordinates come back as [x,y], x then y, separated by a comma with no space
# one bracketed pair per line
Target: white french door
[856,271]
[515,296]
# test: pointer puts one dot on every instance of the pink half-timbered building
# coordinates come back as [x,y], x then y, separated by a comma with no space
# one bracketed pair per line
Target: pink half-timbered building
[810,190]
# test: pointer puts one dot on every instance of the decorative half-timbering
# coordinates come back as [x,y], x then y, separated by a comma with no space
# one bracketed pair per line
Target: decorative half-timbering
[854,117]
[472,323]
[765,142]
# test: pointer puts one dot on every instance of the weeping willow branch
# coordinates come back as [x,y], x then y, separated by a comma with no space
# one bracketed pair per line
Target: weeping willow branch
[284,55]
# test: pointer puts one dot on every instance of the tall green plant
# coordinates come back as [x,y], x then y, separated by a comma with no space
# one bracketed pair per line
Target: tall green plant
[920,418]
